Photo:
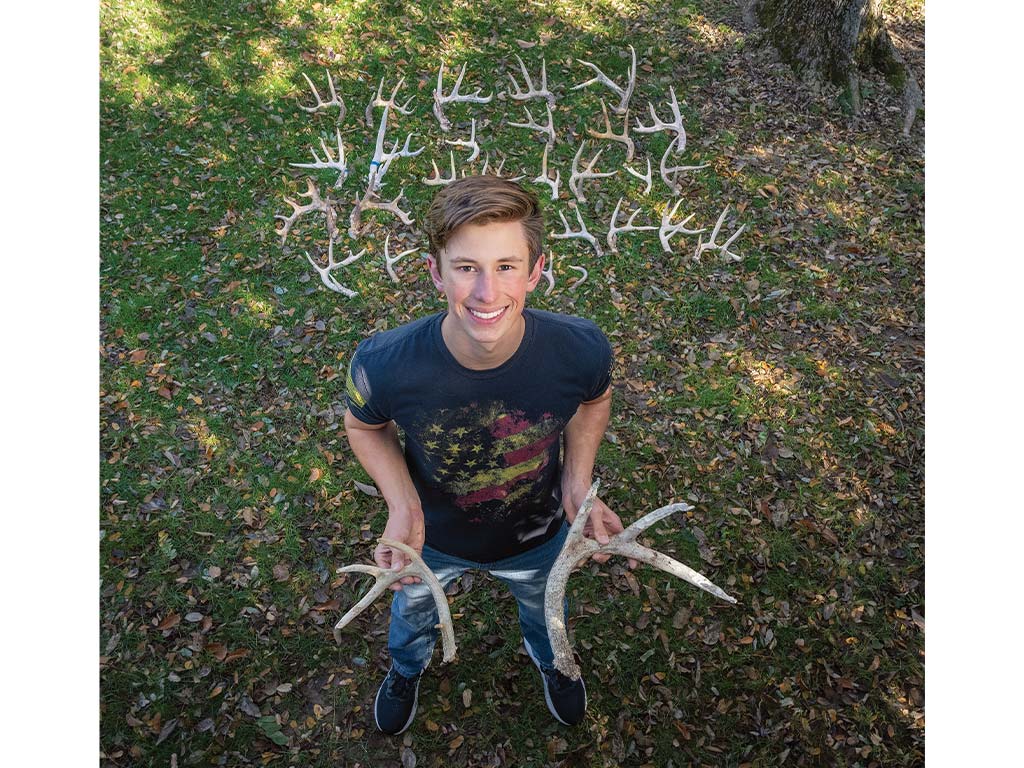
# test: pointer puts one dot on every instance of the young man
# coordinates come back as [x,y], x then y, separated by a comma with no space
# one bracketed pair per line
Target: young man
[485,393]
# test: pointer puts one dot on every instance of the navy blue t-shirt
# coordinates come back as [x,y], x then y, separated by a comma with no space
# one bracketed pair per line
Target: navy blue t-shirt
[482,447]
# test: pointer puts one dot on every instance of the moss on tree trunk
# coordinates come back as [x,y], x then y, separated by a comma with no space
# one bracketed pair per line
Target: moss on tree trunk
[834,39]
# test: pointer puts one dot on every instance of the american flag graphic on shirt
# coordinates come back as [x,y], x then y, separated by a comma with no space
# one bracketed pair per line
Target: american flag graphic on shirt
[488,453]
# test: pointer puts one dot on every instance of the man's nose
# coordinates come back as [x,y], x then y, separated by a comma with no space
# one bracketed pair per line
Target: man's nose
[485,287]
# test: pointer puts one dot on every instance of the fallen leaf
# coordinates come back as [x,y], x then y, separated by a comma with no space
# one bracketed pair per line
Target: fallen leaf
[315,474]
[281,572]
[369,490]
[523,44]
[170,621]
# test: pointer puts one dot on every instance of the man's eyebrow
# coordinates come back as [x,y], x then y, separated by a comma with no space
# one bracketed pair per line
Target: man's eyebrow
[471,260]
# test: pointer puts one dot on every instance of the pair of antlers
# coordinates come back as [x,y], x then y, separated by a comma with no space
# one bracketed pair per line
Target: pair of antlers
[575,551]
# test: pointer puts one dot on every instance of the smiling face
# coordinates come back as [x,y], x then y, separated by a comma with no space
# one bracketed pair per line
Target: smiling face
[485,275]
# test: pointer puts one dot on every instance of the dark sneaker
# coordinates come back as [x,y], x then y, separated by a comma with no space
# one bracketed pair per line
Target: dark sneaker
[566,698]
[395,705]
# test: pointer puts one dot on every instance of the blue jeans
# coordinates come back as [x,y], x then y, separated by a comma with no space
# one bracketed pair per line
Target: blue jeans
[413,633]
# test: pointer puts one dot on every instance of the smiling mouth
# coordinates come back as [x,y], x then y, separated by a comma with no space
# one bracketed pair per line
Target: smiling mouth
[487,315]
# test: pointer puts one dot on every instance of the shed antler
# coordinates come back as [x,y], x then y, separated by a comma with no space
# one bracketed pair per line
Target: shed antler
[330,162]
[335,100]
[578,548]
[532,92]
[625,93]
[440,98]
[385,578]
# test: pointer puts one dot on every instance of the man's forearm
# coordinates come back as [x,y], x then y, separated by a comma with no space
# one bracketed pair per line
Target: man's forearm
[380,453]
[583,435]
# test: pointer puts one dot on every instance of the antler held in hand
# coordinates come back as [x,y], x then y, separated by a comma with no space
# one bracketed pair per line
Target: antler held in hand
[578,548]
[385,578]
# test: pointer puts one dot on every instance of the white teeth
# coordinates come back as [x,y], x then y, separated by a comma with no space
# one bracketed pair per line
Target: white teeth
[486,315]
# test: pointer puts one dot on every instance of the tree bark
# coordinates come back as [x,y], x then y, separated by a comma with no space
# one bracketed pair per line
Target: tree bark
[835,40]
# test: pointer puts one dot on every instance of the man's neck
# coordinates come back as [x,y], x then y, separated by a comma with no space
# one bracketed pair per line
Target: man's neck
[479,357]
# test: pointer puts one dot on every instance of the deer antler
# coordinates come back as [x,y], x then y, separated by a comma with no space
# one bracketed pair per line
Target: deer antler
[625,93]
[385,578]
[583,234]
[614,230]
[391,261]
[622,138]
[382,160]
[440,99]
[710,245]
[497,171]
[543,178]
[577,283]
[578,176]
[578,548]
[532,92]
[471,144]
[668,175]
[316,204]
[379,101]
[549,129]
[643,177]
[668,229]
[437,180]
[325,272]
[549,273]
[675,126]
[370,200]
[337,164]
[336,101]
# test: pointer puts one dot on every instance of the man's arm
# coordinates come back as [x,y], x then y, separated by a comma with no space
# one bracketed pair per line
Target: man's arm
[583,435]
[378,450]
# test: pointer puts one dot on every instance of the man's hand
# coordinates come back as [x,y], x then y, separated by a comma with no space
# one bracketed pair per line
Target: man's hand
[602,523]
[406,527]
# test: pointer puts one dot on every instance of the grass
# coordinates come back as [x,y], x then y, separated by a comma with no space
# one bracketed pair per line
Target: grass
[780,395]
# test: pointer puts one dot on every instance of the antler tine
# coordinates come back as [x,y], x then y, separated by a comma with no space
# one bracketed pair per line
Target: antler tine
[470,144]
[647,178]
[614,229]
[549,129]
[625,93]
[335,101]
[543,178]
[330,162]
[622,138]
[578,548]
[668,229]
[582,234]
[385,578]
[389,261]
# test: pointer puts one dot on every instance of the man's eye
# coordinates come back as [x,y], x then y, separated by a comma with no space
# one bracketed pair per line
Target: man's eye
[505,267]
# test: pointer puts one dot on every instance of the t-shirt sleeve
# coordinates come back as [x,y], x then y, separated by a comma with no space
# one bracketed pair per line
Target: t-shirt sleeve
[602,376]
[363,396]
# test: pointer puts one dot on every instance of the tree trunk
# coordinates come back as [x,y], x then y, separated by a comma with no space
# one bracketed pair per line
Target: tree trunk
[834,39]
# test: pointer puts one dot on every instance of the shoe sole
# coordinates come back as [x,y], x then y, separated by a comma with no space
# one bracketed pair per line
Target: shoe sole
[544,684]
[412,714]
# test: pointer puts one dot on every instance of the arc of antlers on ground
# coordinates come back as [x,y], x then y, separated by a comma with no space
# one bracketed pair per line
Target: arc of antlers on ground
[581,172]
[575,551]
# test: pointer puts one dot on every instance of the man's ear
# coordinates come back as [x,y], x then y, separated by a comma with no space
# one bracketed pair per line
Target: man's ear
[435,271]
[535,273]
